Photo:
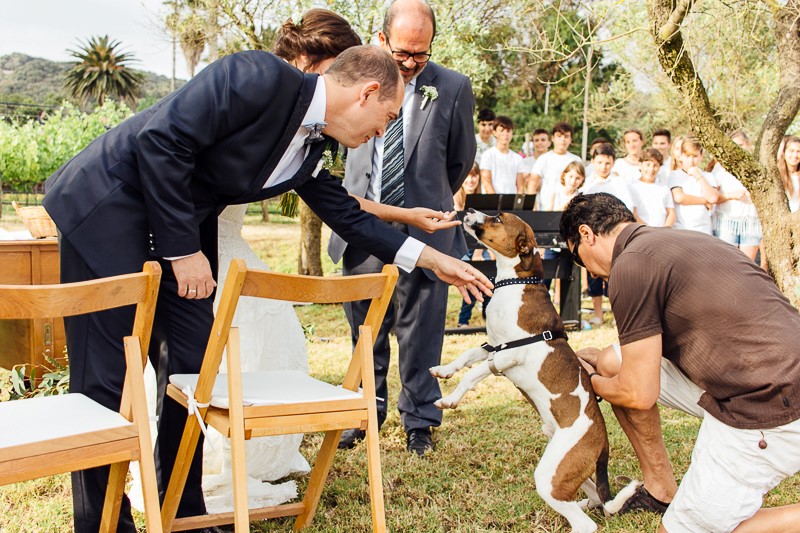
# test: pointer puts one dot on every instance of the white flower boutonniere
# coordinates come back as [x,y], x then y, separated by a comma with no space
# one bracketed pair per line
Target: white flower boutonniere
[325,162]
[429,93]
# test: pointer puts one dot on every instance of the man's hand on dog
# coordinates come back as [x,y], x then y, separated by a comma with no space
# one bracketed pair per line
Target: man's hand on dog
[467,279]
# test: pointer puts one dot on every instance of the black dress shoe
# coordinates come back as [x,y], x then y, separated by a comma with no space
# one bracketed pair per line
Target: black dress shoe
[420,441]
[351,437]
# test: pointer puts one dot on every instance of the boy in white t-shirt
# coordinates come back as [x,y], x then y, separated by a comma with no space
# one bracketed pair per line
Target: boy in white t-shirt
[694,192]
[548,167]
[541,144]
[655,205]
[662,140]
[500,167]
[484,138]
[628,167]
[602,179]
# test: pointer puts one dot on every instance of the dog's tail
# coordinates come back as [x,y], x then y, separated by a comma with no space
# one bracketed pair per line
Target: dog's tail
[611,506]
[601,475]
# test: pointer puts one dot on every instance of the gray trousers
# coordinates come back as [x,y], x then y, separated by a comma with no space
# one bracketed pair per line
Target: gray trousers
[418,316]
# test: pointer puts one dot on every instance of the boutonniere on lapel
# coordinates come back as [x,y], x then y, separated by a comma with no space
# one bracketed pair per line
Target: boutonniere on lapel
[429,94]
[325,162]
[290,202]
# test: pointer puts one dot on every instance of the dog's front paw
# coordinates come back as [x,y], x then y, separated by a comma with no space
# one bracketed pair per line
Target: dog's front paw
[441,371]
[448,402]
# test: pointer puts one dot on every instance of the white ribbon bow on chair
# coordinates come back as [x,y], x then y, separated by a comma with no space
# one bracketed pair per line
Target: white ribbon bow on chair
[193,406]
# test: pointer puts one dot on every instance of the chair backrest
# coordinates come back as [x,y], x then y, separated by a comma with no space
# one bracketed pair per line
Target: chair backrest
[68,299]
[240,281]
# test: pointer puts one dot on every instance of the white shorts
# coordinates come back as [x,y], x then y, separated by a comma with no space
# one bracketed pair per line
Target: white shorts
[676,389]
[729,473]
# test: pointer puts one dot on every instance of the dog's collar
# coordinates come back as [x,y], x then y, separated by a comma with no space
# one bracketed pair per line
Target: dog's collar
[535,280]
[544,336]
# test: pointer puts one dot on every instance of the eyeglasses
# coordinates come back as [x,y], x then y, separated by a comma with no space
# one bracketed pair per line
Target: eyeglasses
[420,58]
[575,257]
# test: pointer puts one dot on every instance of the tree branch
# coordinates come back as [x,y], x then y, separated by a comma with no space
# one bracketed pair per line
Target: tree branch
[673,24]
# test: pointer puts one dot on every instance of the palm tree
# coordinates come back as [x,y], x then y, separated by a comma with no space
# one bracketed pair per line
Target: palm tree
[102,70]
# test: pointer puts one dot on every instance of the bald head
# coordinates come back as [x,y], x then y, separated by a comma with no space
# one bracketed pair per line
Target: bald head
[416,12]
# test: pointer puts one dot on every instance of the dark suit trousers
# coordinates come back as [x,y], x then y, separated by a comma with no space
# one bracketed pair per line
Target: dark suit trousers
[97,369]
[418,316]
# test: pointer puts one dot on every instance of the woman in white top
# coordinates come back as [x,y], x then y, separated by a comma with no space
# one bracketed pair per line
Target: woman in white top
[789,167]
[737,219]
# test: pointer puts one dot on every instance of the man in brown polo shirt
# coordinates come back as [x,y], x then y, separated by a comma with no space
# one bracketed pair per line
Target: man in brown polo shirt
[702,329]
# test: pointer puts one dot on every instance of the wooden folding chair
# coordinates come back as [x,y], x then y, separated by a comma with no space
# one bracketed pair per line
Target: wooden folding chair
[55,434]
[255,404]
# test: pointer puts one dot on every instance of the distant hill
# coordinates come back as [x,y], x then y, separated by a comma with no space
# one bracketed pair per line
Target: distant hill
[33,80]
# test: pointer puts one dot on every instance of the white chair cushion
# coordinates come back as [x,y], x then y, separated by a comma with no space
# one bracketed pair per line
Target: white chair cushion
[278,387]
[53,417]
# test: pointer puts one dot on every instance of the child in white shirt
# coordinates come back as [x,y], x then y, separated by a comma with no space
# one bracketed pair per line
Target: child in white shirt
[500,167]
[655,204]
[548,167]
[694,192]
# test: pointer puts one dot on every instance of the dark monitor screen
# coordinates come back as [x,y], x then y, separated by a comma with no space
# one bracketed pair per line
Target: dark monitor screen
[500,202]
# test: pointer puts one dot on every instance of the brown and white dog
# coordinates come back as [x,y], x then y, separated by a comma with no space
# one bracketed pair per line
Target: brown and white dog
[547,372]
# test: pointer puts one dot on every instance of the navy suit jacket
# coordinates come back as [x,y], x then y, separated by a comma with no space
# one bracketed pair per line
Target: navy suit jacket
[154,185]
[439,153]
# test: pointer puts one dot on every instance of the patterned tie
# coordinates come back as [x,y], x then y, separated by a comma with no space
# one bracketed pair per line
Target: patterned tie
[392,176]
[314,132]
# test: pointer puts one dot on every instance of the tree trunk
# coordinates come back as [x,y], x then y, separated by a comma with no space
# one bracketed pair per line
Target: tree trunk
[265,210]
[758,173]
[309,260]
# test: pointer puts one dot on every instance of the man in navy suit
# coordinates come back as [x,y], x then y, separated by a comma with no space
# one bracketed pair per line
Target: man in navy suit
[434,152]
[152,188]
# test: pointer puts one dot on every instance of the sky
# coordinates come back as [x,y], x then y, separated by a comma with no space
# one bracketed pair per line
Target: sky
[47,28]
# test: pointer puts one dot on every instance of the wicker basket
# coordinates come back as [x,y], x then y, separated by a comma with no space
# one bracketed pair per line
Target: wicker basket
[36,220]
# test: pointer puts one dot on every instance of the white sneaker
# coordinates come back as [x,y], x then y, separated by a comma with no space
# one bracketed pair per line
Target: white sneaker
[596,320]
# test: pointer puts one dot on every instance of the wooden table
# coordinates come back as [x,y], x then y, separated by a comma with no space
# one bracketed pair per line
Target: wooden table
[30,262]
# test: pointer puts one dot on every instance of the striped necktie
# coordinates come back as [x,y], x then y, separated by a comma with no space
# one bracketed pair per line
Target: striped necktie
[392,174]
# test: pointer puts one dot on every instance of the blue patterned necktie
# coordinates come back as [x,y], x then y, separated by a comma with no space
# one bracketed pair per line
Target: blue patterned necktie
[392,174]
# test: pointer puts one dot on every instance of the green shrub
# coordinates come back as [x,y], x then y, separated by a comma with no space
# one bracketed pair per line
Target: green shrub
[31,151]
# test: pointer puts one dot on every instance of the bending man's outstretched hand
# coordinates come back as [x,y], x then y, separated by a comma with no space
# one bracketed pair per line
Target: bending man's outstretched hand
[466,278]
[431,221]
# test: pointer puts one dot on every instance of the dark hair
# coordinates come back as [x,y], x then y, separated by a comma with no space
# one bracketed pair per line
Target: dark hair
[651,154]
[634,130]
[320,35]
[600,211]
[598,140]
[504,121]
[391,12]
[367,62]
[663,133]
[539,131]
[486,115]
[563,127]
[604,149]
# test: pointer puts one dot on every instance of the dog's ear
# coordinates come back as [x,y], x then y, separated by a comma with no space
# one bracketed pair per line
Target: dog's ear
[525,248]
[530,261]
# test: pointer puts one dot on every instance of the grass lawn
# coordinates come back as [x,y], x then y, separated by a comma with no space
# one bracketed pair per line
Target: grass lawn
[479,479]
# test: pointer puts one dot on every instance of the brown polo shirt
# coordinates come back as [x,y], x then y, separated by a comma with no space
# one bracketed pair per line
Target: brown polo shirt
[722,319]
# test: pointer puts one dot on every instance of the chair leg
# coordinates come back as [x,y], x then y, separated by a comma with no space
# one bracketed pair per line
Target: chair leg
[114,491]
[241,515]
[180,473]
[375,475]
[316,480]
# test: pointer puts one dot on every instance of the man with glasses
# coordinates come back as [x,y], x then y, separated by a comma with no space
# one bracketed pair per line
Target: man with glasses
[421,161]
[702,329]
